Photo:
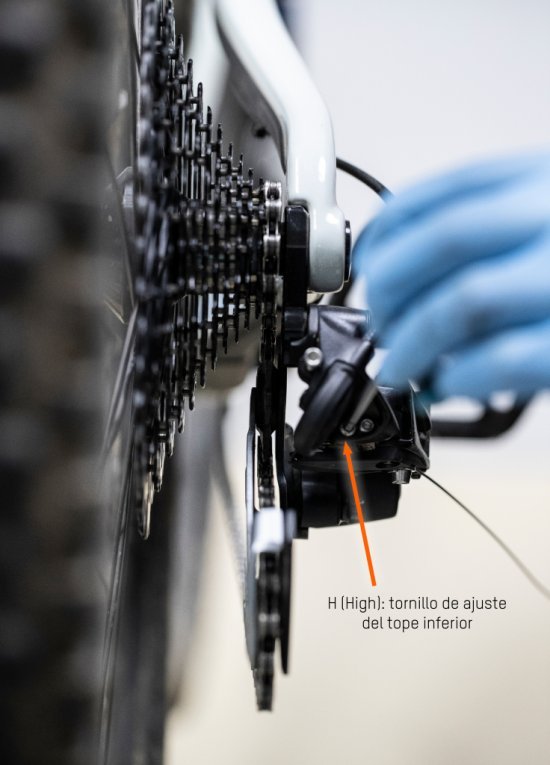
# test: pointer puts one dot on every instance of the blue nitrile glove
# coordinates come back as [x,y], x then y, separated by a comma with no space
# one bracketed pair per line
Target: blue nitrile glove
[458,280]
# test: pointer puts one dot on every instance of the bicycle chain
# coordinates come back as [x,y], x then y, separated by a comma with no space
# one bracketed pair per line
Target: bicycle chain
[203,248]
[268,583]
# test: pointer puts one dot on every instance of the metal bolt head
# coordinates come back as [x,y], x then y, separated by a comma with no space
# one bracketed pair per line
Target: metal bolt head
[312,358]
[401,476]
[366,425]
[347,430]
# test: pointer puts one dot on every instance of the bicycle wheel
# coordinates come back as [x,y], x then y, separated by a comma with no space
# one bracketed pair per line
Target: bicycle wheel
[52,600]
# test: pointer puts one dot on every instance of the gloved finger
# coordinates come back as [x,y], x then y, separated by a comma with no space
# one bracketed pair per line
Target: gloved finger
[436,192]
[516,360]
[469,305]
[473,228]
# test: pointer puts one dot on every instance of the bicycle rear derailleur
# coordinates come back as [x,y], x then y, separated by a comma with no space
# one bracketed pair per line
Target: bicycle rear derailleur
[330,347]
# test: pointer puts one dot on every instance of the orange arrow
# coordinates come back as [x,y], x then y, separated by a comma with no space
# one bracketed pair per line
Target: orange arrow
[347,454]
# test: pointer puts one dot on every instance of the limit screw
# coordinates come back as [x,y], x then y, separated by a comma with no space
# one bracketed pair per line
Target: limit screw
[366,426]
[347,430]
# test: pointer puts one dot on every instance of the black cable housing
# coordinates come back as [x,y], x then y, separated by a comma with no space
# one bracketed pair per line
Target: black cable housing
[366,178]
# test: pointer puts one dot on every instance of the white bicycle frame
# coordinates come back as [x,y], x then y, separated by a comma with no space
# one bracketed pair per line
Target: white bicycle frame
[275,89]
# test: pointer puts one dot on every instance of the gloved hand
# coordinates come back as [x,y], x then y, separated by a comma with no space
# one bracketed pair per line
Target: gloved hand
[458,280]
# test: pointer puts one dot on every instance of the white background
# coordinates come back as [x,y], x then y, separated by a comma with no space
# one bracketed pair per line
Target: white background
[414,88]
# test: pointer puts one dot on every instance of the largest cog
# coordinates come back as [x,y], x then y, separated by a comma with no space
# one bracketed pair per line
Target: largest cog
[201,222]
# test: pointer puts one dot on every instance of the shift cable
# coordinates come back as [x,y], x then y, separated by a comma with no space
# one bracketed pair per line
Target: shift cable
[537,584]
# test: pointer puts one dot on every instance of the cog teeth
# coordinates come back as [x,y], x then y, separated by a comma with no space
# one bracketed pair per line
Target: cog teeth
[199,234]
